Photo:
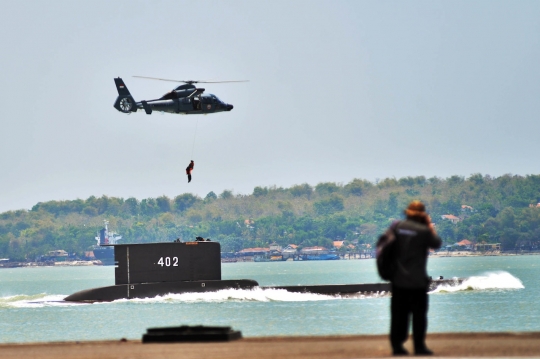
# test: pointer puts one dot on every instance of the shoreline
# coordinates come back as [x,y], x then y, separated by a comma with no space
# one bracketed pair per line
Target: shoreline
[476,254]
[80,263]
[522,344]
[83,263]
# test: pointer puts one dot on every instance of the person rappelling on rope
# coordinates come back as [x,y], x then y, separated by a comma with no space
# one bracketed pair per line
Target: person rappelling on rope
[189,169]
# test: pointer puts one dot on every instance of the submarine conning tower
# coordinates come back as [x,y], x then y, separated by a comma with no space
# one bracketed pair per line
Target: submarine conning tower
[167,262]
[151,269]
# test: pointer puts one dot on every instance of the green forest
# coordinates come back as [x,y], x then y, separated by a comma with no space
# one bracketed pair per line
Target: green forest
[500,210]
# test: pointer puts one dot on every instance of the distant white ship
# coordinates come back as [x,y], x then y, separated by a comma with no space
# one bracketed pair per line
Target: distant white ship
[104,250]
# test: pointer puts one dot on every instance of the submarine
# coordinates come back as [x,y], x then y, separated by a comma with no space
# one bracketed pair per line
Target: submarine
[146,270]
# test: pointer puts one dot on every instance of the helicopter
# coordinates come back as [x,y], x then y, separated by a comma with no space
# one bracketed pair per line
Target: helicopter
[186,99]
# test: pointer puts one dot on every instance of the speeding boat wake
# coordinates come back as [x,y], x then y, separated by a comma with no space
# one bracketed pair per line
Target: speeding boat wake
[488,281]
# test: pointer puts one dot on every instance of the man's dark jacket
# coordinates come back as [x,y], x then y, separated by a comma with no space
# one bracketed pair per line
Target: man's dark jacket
[413,243]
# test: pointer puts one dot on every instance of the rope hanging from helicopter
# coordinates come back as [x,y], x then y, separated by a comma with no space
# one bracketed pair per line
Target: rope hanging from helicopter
[191,165]
[194,137]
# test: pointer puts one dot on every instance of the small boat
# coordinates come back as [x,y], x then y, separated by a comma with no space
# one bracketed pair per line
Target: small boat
[322,257]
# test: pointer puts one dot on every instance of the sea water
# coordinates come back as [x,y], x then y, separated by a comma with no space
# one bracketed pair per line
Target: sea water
[501,294]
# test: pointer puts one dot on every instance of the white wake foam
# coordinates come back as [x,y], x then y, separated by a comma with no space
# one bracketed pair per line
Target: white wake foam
[34,301]
[226,295]
[236,295]
[486,281]
[246,295]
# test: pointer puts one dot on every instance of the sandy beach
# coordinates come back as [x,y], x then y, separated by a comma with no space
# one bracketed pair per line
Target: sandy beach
[362,346]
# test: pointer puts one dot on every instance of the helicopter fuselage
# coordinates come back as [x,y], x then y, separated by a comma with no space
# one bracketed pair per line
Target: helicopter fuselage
[189,106]
[185,99]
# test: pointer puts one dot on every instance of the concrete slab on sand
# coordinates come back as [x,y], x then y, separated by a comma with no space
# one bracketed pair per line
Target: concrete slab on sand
[358,346]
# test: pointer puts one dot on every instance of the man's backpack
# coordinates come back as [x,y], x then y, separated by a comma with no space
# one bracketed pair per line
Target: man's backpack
[387,253]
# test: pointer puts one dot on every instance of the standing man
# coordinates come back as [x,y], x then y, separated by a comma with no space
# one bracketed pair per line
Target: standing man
[189,168]
[414,237]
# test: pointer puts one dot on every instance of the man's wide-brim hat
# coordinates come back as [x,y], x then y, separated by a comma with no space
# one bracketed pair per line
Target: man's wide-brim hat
[415,209]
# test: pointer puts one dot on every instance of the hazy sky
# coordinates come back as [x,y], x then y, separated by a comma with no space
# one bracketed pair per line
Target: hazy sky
[338,90]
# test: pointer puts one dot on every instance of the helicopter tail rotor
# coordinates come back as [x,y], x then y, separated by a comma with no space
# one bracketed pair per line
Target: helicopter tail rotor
[124,102]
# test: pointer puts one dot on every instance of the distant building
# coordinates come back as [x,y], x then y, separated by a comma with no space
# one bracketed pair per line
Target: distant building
[275,247]
[485,247]
[338,244]
[465,208]
[249,223]
[465,243]
[451,218]
[248,252]
[58,255]
[290,251]
[314,250]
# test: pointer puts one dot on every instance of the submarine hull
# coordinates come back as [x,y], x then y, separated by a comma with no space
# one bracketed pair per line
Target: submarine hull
[356,289]
[150,290]
[153,269]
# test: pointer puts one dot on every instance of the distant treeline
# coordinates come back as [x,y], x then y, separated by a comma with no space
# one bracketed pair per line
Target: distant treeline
[499,212]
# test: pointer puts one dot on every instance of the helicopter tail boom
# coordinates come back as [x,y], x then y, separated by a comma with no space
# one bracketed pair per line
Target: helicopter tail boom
[124,102]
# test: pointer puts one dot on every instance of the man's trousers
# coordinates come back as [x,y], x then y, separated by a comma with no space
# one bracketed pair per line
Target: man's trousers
[404,303]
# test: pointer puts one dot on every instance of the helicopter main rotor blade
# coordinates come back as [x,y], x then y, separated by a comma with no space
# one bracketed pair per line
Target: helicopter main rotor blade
[189,81]
[215,82]
[155,78]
